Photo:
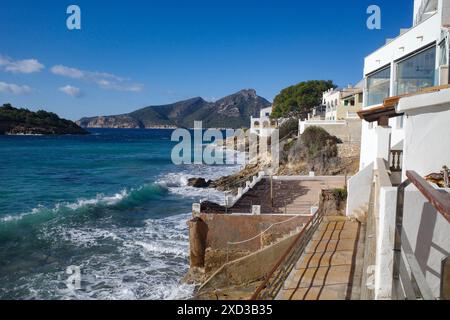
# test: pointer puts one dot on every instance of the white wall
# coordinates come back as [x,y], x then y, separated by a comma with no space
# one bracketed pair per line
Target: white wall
[359,187]
[427,132]
[422,35]
[385,244]
[368,145]
[369,140]
[429,235]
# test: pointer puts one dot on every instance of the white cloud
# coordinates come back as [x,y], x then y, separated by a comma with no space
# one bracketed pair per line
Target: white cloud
[71,91]
[68,72]
[21,66]
[14,88]
[104,80]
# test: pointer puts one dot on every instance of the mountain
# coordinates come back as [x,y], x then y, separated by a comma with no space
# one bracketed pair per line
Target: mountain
[233,111]
[24,121]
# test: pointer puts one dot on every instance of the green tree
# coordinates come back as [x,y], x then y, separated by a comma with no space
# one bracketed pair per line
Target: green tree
[298,100]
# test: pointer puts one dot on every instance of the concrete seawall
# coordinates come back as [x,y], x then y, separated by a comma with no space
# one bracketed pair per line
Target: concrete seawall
[245,271]
[211,235]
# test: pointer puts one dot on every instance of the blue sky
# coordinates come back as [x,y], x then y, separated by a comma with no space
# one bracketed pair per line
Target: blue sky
[135,53]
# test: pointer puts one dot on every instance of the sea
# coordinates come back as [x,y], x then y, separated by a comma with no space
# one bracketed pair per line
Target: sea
[101,216]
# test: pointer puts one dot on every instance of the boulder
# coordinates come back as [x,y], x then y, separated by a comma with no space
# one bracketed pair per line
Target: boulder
[199,183]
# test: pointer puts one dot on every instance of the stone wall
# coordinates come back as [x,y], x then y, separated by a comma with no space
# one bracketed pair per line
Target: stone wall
[348,130]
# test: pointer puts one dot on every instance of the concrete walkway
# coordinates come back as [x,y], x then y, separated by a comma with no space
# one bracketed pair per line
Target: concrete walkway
[331,266]
[290,197]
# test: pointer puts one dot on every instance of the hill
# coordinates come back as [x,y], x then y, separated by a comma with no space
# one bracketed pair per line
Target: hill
[24,121]
[233,111]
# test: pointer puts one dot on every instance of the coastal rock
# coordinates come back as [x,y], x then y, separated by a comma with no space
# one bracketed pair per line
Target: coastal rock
[199,183]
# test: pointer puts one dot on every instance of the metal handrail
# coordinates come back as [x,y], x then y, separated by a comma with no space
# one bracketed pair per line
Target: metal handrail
[409,280]
[281,270]
[229,243]
[440,201]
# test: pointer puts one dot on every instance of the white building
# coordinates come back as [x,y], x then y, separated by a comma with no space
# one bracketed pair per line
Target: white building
[416,59]
[332,100]
[264,125]
[342,104]
[405,137]
[338,114]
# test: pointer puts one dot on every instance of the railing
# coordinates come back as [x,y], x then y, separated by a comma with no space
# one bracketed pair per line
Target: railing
[395,160]
[260,235]
[275,279]
[409,280]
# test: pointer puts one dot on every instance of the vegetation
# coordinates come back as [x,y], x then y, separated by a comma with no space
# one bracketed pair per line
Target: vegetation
[288,127]
[319,143]
[298,100]
[340,194]
[13,120]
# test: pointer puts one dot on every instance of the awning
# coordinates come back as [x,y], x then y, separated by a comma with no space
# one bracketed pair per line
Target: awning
[387,109]
[376,113]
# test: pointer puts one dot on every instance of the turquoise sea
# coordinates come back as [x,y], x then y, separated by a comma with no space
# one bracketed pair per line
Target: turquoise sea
[111,203]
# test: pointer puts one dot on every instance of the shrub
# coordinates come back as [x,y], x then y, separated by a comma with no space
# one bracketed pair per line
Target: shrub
[340,194]
[288,127]
[319,142]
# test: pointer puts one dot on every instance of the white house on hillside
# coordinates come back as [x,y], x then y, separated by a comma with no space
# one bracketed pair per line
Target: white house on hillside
[263,126]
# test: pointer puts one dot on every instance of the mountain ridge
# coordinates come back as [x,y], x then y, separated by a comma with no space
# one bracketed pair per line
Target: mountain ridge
[232,111]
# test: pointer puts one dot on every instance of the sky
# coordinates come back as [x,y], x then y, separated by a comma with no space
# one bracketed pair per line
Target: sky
[135,53]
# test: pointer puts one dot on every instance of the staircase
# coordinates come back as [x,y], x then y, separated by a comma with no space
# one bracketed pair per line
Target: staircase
[330,267]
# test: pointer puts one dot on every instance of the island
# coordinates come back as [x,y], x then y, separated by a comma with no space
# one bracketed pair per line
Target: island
[14,121]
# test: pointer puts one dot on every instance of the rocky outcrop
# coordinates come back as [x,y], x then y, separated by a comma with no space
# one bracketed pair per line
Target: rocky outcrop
[116,122]
[233,111]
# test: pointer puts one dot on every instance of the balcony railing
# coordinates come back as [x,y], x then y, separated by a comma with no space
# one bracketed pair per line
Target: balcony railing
[409,280]
[396,160]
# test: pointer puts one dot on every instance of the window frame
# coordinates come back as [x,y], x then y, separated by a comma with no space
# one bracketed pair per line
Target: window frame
[379,70]
[419,51]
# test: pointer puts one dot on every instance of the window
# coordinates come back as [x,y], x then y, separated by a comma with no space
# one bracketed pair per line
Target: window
[352,102]
[360,98]
[416,72]
[378,86]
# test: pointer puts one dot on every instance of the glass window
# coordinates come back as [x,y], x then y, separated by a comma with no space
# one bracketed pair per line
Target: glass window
[378,86]
[416,72]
